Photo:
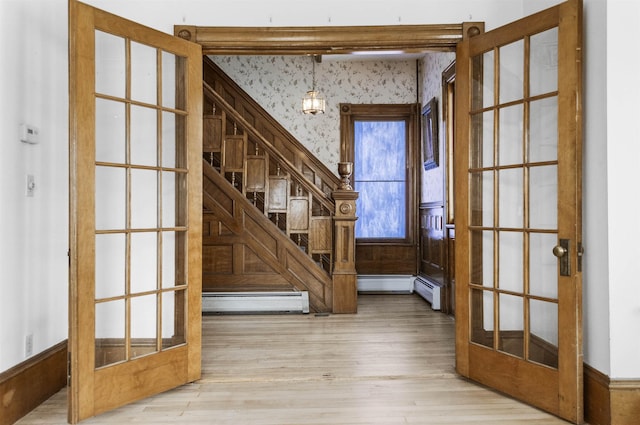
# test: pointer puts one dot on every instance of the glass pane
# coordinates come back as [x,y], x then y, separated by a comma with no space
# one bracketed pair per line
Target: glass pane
[110,265]
[379,176]
[488,139]
[482,140]
[543,337]
[380,149]
[510,196]
[144,194]
[511,71]
[169,140]
[144,131]
[144,262]
[110,64]
[510,139]
[144,318]
[110,333]
[511,325]
[482,325]
[111,197]
[143,73]
[173,318]
[374,221]
[173,254]
[169,198]
[510,275]
[543,130]
[481,201]
[169,83]
[544,62]
[543,197]
[110,131]
[169,259]
[543,265]
[482,74]
[482,254]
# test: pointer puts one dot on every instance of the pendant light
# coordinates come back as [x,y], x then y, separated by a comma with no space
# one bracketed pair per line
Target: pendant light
[313,102]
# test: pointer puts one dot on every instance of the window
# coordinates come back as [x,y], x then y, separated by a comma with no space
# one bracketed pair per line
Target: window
[382,143]
[380,177]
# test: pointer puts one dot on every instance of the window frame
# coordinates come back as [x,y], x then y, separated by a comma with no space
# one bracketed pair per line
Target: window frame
[409,113]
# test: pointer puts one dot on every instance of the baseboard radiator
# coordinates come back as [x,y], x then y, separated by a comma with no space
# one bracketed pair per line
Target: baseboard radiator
[255,302]
[428,290]
[396,284]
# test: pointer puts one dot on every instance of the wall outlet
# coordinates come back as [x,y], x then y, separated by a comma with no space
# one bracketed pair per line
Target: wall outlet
[28,345]
[31,185]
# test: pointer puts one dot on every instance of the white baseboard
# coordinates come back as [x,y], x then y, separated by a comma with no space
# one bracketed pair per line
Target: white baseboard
[255,302]
[386,283]
[428,290]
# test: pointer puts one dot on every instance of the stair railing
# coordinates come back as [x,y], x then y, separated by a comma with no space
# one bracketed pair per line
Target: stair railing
[294,203]
[317,215]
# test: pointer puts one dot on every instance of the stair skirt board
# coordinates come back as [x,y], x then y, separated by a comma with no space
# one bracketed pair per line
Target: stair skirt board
[255,302]
[428,290]
[397,284]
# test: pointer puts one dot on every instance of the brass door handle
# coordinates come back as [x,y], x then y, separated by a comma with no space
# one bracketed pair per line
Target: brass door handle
[559,251]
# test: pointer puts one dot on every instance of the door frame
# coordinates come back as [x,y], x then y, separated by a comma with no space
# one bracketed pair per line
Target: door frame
[337,40]
[327,40]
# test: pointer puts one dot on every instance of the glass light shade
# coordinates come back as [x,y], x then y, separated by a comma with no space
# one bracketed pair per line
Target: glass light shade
[313,103]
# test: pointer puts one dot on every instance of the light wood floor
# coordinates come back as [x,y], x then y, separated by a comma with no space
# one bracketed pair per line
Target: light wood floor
[392,363]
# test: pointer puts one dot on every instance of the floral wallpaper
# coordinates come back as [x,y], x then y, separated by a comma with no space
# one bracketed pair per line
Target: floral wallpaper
[279,83]
[431,67]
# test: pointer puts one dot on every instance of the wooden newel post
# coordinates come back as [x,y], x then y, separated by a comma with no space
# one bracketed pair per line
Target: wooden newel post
[345,279]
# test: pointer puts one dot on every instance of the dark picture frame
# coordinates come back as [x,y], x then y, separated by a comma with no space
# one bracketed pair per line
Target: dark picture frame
[430,148]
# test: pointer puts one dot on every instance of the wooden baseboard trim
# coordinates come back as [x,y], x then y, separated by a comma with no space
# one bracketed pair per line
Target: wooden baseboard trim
[597,401]
[25,386]
[610,401]
[625,401]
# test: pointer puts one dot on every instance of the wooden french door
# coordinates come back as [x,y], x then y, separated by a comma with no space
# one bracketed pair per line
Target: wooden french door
[135,211]
[518,210]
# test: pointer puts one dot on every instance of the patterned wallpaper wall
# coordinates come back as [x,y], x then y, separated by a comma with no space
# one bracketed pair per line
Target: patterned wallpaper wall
[278,83]
[431,68]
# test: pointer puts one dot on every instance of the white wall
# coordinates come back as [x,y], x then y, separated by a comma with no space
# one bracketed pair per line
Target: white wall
[33,248]
[34,241]
[596,302]
[622,159]
[167,13]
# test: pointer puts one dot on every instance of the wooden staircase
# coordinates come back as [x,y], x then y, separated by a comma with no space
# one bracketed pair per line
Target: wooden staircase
[274,218]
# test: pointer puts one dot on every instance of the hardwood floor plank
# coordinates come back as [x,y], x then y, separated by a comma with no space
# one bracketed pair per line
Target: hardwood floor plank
[392,363]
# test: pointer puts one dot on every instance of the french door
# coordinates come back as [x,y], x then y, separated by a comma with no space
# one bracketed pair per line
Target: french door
[518,210]
[135,211]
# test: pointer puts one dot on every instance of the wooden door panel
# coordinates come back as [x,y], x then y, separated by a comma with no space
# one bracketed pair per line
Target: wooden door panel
[166,370]
[518,180]
[135,152]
